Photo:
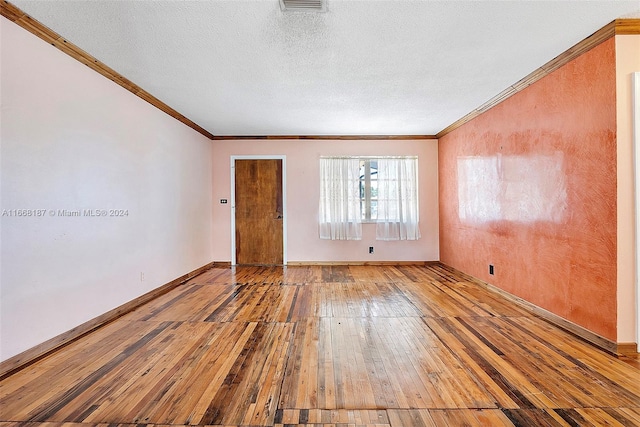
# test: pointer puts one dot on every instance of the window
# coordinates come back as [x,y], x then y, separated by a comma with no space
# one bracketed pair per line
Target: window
[380,190]
[369,189]
[339,214]
[397,208]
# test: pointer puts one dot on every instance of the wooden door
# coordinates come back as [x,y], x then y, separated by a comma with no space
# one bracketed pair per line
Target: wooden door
[258,211]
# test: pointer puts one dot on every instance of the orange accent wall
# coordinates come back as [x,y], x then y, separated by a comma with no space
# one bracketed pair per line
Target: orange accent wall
[530,187]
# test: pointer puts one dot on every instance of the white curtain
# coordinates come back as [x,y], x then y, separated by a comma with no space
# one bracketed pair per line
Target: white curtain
[340,211]
[397,217]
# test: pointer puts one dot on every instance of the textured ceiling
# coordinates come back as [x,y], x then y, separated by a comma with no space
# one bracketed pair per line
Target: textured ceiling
[365,67]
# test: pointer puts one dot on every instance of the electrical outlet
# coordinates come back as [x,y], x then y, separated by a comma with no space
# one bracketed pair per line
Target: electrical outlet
[141,276]
[491,269]
[370,249]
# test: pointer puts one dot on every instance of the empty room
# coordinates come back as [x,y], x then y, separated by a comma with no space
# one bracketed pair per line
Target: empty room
[319,213]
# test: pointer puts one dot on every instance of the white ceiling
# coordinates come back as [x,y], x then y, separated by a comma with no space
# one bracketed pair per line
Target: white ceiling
[365,67]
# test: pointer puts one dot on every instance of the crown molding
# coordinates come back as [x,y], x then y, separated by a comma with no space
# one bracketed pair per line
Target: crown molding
[17,16]
[616,27]
[328,137]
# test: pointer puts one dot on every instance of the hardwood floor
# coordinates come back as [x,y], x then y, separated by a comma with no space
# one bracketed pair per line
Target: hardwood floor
[326,345]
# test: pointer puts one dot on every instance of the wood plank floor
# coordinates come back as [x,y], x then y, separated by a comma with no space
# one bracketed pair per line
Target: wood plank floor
[326,346]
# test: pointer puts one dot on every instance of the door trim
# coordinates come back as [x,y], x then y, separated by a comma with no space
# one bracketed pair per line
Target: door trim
[635,101]
[284,201]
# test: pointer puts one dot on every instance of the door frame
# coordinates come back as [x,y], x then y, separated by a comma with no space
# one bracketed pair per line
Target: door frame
[284,201]
[635,114]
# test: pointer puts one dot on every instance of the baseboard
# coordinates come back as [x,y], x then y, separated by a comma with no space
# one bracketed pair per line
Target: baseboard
[36,353]
[221,264]
[338,263]
[573,328]
[627,348]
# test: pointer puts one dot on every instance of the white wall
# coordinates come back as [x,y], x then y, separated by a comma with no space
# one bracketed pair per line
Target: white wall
[71,139]
[303,192]
[627,62]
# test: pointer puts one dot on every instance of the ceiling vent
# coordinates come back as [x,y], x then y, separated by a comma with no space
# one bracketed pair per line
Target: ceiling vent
[303,5]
